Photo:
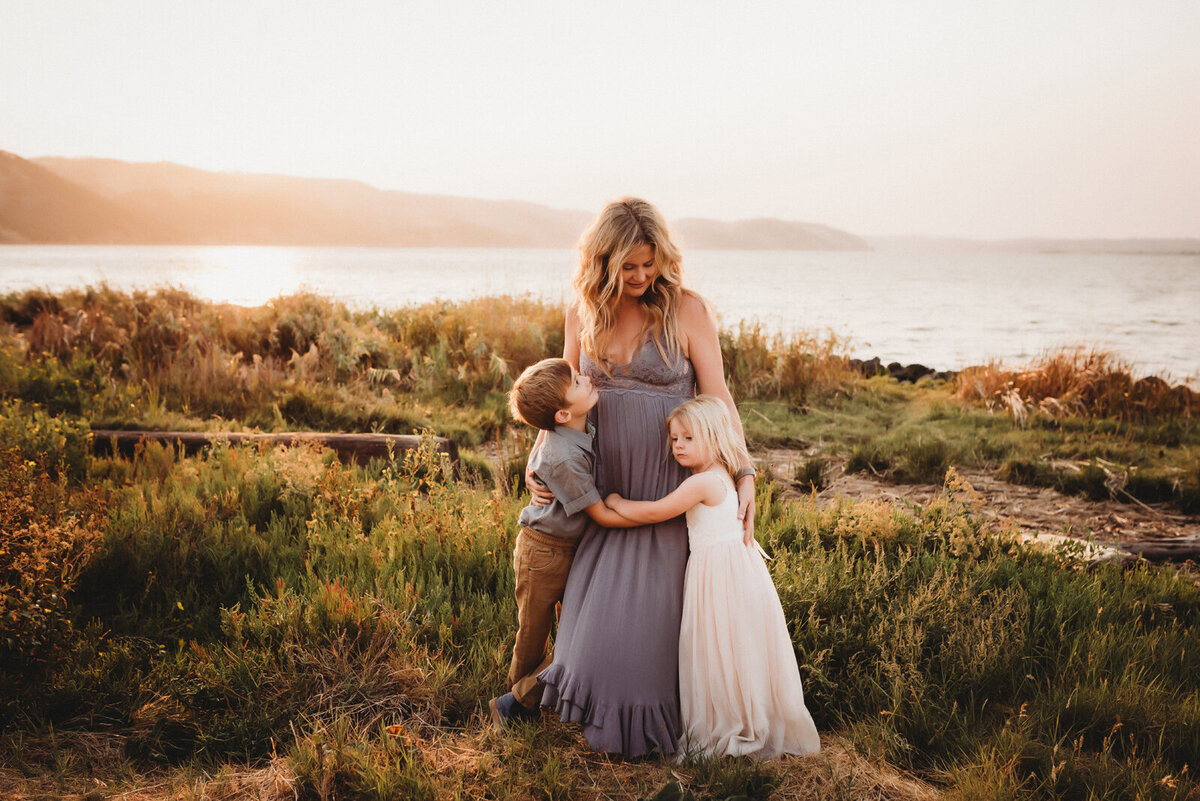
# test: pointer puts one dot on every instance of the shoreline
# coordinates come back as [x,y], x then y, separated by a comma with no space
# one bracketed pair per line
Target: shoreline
[846,337]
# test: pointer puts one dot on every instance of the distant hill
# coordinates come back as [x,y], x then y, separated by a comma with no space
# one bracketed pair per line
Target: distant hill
[1034,245]
[89,200]
[36,205]
[233,208]
[764,234]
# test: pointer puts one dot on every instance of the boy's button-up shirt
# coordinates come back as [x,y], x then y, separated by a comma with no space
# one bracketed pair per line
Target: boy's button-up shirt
[565,463]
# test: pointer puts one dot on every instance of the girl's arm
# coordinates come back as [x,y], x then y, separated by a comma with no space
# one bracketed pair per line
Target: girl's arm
[606,516]
[702,488]
[704,351]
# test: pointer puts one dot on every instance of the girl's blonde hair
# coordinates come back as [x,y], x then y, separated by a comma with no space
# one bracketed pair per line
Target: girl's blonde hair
[707,419]
[606,244]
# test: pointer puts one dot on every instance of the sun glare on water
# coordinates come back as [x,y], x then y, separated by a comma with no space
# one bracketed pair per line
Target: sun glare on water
[247,276]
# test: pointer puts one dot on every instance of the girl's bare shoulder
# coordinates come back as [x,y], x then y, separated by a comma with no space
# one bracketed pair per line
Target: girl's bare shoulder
[709,486]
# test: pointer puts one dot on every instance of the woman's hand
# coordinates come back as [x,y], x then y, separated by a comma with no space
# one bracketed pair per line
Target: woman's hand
[541,494]
[745,492]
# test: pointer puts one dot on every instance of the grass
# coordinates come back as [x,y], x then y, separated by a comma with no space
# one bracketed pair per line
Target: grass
[245,605]
[168,360]
[913,433]
[275,621]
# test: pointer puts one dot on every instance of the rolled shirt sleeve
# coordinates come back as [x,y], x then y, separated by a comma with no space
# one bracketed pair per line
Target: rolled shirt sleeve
[572,483]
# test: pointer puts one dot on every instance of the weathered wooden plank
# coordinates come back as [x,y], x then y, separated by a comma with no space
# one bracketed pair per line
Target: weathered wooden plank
[359,447]
[1176,550]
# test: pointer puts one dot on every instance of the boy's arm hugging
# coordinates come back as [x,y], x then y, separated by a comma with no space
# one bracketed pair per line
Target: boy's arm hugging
[572,485]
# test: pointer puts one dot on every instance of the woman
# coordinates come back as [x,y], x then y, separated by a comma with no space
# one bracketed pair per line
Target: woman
[648,345]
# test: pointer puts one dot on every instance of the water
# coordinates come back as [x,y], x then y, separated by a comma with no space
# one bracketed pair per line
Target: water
[945,310]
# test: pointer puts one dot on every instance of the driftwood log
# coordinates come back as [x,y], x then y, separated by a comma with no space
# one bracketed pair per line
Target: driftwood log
[1170,550]
[358,447]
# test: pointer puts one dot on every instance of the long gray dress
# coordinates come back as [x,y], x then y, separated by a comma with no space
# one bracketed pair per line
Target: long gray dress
[616,654]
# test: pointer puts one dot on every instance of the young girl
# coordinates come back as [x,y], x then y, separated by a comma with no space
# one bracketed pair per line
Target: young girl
[739,688]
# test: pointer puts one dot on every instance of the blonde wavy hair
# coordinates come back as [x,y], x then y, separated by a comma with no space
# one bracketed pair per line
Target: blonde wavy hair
[706,417]
[620,228]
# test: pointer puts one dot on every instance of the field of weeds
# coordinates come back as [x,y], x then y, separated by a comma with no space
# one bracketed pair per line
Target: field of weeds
[272,623]
[913,434]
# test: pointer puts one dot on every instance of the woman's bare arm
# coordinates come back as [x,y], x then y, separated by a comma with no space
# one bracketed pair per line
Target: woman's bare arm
[571,335]
[704,350]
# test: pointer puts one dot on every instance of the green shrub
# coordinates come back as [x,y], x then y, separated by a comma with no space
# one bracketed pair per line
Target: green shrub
[868,457]
[1151,486]
[186,537]
[281,585]
[60,445]
[61,388]
[1026,472]
[811,474]
[46,533]
[1090,481]
[922,460]
[762,366]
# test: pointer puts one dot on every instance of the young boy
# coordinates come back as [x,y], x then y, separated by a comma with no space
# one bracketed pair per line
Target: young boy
[553,396]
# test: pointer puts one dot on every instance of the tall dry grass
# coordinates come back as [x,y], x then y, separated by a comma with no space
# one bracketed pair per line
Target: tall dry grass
[304,361]
[1076,382]
[174,337]
[297,362]
[764,366]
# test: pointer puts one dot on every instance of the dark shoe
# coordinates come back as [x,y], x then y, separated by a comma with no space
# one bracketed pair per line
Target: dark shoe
[507,710]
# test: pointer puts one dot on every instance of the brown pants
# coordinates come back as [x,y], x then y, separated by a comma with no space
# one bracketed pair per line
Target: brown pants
[541,563]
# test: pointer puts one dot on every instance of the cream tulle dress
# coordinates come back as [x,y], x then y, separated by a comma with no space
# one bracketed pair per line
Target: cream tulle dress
[739,687]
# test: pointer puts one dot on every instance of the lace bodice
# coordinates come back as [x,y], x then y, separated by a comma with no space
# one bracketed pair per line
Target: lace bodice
[708,525]
[646,372]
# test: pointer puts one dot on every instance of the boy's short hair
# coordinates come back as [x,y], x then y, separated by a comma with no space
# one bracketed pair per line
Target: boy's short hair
[540,392]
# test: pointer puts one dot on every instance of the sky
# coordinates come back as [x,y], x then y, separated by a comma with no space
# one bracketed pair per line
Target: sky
[1055,118]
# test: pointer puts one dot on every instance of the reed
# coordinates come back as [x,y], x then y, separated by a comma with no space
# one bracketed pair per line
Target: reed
[1076,382]
[307,362]
[764,366]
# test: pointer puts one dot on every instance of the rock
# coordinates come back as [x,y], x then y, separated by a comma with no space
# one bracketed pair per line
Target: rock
[909,373]
[869,368]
